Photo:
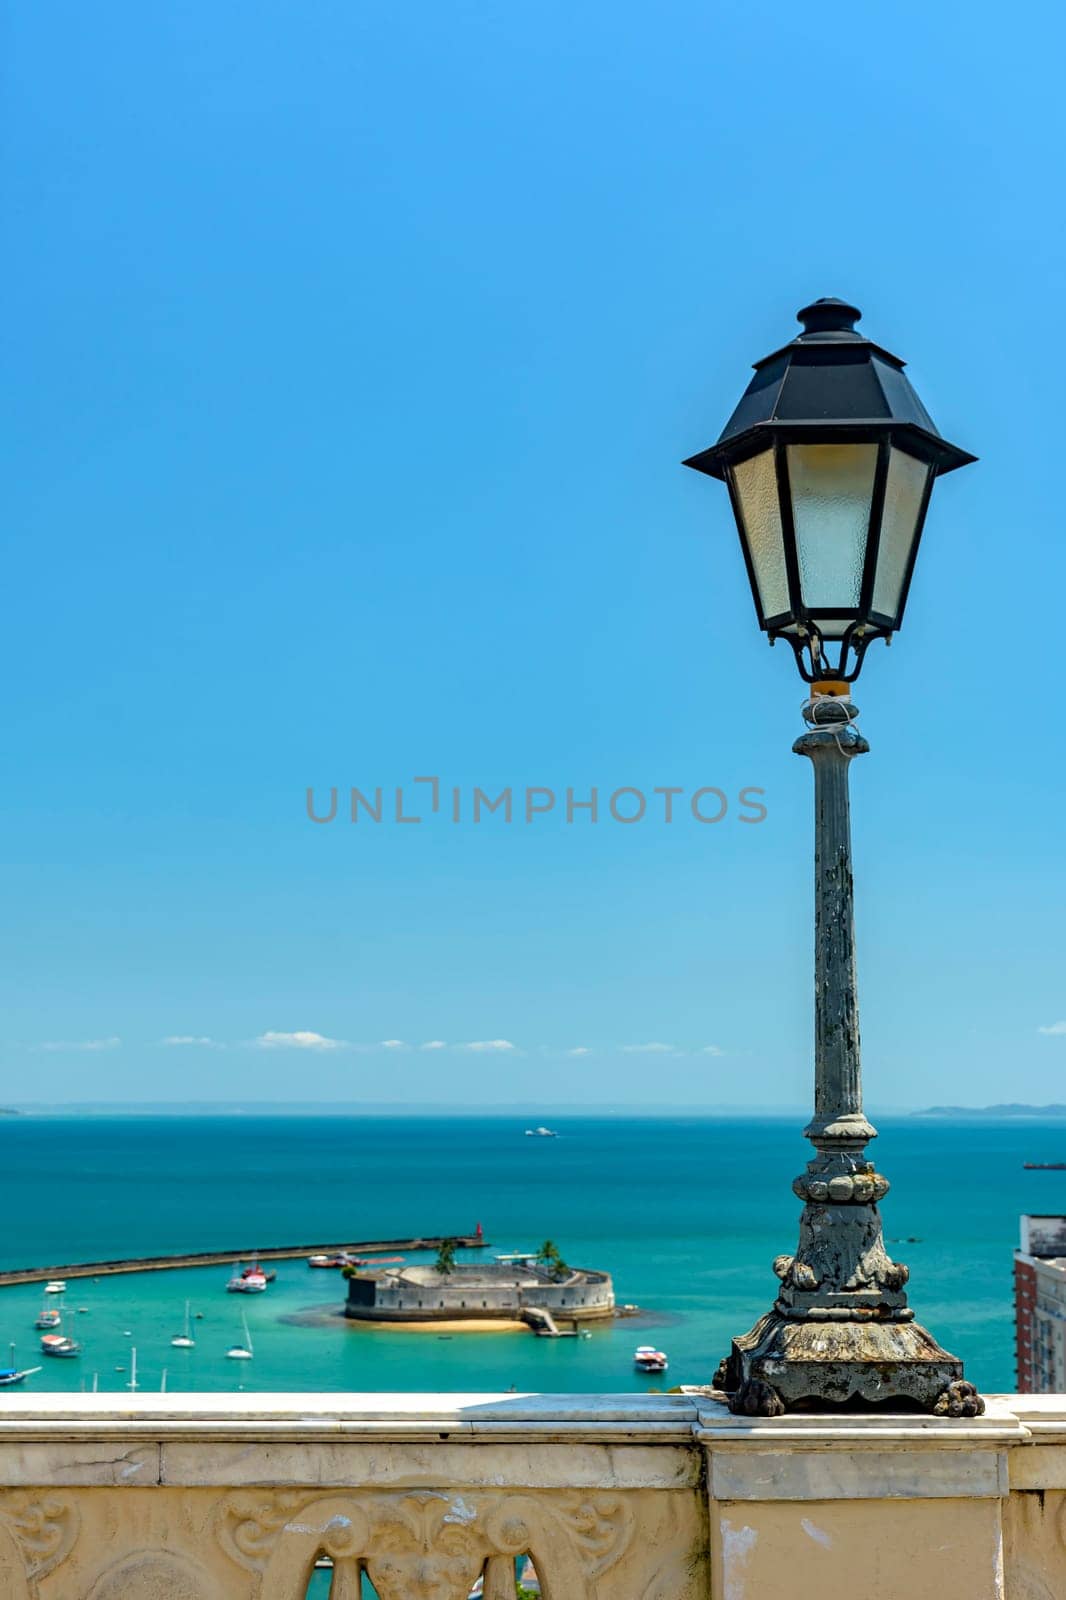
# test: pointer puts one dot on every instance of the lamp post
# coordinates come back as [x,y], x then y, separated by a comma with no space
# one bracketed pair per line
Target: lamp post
[830,460]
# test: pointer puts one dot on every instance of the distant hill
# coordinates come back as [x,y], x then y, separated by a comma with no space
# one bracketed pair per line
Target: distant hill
[993,1113]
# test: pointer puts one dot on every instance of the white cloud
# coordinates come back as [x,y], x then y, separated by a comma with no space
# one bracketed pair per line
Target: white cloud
[190,1038]
[653,1049]
[489,1044]
[1054,1027]
[301,1040]
[712,1050]
[393,1044]
[111,1043]
[433,1044]
[579,1050]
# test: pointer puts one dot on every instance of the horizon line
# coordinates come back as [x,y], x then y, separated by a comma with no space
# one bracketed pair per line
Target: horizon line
[524,1108]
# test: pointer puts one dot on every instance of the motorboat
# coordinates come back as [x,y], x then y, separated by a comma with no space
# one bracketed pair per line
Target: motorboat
[55,1286]
[541,1133]
[250,1281]
[647,1359]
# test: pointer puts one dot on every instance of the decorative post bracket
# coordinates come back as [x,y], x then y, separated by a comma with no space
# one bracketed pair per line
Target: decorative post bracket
[840,1333]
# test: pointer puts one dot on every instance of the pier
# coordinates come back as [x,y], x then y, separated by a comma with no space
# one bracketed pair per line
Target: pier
[221,1258]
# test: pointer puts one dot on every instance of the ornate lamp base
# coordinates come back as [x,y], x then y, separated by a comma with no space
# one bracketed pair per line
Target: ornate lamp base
[792,1363]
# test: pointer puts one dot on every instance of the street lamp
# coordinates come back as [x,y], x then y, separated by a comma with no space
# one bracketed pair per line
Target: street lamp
[830,459]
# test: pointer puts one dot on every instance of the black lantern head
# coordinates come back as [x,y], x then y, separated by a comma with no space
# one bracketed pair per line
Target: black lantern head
[830,459]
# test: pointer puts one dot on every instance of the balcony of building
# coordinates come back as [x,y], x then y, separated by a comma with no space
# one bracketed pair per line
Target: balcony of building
[431,1497]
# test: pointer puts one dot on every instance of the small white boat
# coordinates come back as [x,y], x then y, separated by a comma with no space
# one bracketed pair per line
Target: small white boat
[245,1351]
[48,1318]
[647,1359]
[184,1341]
[541,1133]
[56,1286]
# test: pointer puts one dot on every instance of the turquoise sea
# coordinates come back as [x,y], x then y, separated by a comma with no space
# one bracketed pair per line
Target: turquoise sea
[687,1213]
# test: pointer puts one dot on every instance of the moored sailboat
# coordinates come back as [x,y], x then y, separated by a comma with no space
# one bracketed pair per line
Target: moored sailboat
[58,1344]
[245,1351]
[184,1341]
[9,1376]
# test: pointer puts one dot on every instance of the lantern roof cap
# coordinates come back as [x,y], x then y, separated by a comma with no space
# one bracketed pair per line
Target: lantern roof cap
[829,377]
[828,318]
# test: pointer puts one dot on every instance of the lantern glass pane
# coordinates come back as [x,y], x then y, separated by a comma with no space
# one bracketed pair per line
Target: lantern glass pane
[904,488]
[756,486]
[832,487]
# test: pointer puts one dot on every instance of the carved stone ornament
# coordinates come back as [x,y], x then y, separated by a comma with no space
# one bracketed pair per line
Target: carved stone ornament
[426,1545]
[152,1575]
[36,1534]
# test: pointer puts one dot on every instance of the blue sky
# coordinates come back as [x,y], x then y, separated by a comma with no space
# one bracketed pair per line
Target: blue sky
[351,351]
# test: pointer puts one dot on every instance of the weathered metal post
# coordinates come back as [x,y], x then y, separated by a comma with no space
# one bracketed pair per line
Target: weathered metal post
[840,1330]
[832,743]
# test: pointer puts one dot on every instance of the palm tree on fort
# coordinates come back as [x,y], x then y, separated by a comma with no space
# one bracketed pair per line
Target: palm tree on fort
[445,1262]
[549,1257]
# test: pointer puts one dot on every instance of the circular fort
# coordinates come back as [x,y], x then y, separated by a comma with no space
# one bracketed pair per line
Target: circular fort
[514,1291]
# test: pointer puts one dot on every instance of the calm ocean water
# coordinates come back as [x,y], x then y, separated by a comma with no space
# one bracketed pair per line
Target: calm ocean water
[686,1213]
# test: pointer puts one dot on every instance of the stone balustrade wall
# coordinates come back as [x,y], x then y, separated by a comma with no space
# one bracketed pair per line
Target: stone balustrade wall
[234,1497]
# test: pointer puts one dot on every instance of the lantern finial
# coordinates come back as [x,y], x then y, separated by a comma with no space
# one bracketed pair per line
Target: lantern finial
[829,316]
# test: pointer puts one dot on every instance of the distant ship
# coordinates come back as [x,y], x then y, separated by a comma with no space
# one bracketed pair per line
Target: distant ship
[541,1133]
[1044,1166]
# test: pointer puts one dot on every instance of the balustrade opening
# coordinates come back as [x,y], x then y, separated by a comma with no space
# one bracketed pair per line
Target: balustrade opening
[502,1579]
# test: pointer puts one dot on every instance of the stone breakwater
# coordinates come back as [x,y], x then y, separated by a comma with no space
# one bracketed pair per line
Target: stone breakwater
[217,1258]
